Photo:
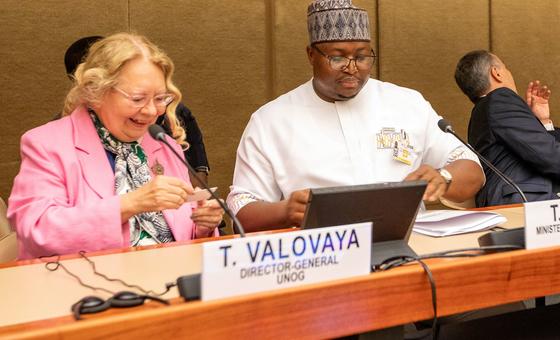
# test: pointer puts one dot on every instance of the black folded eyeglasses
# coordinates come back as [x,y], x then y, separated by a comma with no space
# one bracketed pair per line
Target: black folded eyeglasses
[93,304]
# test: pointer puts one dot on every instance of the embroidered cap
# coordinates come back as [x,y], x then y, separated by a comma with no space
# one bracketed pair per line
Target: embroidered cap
[336,20]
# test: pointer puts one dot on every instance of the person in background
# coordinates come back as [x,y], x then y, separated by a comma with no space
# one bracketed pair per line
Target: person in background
[342,128]
[517,136]
[195,152]
[95,179]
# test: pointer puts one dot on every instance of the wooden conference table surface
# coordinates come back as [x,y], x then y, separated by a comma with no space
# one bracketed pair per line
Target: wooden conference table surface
[36,302]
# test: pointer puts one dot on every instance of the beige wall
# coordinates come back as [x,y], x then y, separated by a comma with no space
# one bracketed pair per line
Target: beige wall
[233,56]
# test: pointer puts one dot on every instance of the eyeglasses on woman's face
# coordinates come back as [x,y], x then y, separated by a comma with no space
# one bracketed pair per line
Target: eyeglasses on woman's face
[140,100]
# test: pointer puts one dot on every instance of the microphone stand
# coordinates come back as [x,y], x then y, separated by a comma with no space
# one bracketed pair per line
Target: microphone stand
[448,129]
[189,286]
[508,237]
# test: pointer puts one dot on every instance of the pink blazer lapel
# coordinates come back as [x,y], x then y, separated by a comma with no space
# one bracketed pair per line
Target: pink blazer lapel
[91,154]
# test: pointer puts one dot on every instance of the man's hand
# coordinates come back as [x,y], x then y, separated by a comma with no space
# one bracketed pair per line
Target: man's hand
[436,184]
[537,98]
[261,215]
[295,207]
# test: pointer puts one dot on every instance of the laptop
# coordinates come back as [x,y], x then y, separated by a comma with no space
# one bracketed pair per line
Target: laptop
[392,207]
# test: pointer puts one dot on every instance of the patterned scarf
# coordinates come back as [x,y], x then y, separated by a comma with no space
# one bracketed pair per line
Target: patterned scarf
[131,173]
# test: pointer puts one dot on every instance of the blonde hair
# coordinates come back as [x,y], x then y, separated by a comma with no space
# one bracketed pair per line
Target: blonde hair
[102,66]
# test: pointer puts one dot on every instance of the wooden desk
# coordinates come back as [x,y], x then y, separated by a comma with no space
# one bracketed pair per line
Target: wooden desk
[324,310]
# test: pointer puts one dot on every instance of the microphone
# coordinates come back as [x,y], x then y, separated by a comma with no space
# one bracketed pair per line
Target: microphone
[446,127]
[509,237]
[158,134]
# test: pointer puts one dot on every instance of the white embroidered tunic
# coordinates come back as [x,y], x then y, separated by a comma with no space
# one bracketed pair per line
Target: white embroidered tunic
[300,141]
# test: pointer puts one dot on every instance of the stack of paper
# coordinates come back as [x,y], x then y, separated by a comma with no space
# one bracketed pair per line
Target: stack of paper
[452,222]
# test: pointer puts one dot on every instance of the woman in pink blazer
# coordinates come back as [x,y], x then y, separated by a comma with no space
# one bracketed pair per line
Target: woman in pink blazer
[95,179]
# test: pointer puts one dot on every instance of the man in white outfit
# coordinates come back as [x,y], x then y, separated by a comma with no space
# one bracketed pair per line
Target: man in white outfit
[342,128]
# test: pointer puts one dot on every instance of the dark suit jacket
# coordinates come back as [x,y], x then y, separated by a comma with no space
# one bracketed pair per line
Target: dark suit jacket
[196,153]
[505,131]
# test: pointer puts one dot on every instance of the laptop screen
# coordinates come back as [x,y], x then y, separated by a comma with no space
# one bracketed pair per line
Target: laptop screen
[392,207]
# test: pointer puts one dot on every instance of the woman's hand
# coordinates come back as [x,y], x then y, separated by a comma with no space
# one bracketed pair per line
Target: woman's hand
[206,217]
[162,192]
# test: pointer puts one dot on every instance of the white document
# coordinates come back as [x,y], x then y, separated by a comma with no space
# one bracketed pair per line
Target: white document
[200,194]
[440,223]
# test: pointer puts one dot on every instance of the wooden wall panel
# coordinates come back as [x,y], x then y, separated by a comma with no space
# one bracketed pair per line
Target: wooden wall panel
[289,41]
[219,50]
[233,56]
[34,36]
[525,35]
[421,42]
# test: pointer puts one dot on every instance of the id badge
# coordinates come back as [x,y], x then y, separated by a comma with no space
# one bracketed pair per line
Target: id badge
[404,153]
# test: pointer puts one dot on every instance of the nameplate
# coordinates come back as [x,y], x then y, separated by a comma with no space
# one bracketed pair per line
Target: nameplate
[274,261]
[542,224]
